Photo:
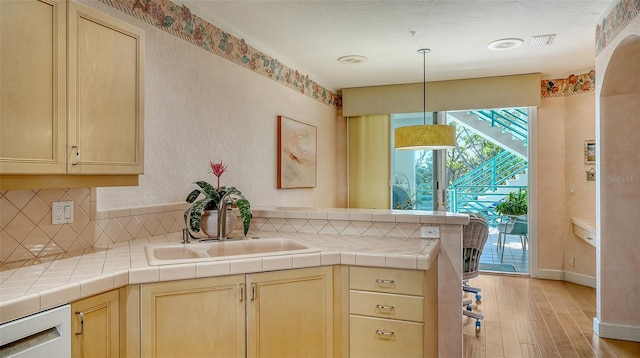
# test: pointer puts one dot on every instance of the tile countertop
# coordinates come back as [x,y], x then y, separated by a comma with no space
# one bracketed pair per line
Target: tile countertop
[31,286]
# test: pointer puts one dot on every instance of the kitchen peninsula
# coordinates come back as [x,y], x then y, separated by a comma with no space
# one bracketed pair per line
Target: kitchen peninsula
[346,238]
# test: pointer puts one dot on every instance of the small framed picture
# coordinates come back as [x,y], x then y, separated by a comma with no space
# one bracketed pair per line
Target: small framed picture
[589,152]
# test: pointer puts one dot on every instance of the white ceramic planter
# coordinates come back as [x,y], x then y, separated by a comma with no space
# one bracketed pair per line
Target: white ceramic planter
[209,222]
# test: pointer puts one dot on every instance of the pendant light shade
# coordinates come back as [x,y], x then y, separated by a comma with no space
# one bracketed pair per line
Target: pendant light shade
[430,136]
[425,136]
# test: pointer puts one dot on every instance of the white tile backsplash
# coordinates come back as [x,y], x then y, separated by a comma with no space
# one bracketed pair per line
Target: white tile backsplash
[27,232]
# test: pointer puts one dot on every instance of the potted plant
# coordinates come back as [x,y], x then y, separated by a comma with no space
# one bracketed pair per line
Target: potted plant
[511,211]
[211,200]
[513,205]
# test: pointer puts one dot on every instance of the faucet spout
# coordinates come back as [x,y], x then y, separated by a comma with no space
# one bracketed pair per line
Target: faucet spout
[222,216]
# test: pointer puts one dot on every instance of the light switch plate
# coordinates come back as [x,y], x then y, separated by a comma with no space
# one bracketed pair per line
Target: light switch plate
[430,232]
[62,212]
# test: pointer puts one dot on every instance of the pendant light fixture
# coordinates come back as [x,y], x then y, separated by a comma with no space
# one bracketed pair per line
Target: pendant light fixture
[425,136]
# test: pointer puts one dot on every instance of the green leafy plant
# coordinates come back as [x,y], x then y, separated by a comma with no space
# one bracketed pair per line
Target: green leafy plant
[211,200]
[515,204]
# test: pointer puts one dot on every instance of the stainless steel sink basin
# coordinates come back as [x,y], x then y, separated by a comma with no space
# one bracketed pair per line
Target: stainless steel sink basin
[223,250]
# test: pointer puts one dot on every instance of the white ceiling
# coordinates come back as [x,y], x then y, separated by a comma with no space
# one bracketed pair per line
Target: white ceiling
[310,35]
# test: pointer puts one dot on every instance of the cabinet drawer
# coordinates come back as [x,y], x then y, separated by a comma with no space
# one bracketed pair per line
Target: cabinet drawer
[385,305]
[378,337]
[386,280]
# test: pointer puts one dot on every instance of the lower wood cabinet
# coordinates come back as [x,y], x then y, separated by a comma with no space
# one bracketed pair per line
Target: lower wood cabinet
[193,318]
[95,326]
[393,312]
[311,312]
[288,314]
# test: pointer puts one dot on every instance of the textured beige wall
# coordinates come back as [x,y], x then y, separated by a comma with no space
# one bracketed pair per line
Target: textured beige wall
[618,200]
[200,108]
[580,126]
[618,191]
[550,151]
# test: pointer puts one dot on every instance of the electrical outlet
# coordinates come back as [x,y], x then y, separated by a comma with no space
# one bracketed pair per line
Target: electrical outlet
[572,261]
[430,232]
[62,212]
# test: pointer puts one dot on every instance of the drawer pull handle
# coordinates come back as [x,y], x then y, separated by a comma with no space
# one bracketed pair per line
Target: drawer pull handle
[381,282]
[385,308]
[384,334]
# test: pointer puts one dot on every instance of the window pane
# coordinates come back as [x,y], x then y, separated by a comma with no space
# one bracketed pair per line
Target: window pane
[411,170]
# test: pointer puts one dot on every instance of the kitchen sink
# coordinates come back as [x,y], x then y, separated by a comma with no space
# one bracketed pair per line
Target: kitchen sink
[223,250]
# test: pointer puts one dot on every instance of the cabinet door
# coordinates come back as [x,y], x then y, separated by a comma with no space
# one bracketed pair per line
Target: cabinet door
[106,105]
[290,313]
[193,318]
[32,86]
[95,326]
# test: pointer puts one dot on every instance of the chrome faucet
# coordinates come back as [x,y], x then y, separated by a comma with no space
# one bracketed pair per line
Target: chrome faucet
[222,216]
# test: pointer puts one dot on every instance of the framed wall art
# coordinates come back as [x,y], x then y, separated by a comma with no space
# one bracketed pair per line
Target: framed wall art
[589,152]
[297,154]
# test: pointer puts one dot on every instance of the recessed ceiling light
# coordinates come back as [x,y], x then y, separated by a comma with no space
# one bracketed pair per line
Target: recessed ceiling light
[505,44]
[352,59]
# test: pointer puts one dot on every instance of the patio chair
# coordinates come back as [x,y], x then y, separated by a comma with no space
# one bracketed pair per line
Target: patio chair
[512,225]
[474,237]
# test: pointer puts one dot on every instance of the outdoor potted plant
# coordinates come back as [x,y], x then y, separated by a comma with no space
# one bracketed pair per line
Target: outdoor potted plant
[209,204]
[513,205]
[513,211]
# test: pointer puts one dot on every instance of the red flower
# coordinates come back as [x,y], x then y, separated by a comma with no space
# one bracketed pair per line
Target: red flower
[218,169]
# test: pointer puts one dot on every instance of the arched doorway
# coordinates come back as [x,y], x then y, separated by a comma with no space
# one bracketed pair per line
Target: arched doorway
[618,195]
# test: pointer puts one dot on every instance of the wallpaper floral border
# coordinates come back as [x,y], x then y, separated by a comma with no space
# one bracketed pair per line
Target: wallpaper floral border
[179,21]
[572,85]
[612,24]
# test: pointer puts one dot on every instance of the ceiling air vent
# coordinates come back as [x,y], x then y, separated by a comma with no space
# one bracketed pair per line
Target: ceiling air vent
[542,40]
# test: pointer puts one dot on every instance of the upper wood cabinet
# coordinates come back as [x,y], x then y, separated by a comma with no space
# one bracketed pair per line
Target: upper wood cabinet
[33,86]
[106,97]
[72,90]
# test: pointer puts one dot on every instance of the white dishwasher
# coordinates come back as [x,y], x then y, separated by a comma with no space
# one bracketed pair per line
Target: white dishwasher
[44,334]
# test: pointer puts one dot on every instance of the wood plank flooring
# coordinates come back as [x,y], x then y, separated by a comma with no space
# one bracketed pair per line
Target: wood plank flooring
[525,317]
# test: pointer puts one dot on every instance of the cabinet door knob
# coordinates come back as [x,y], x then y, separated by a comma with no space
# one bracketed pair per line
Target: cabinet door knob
[384,334]
[242,292]
[81,314]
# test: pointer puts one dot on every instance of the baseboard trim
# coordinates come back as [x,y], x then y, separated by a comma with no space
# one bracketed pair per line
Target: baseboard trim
[616,331]
[580,279]
[561,275]
[547,274]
